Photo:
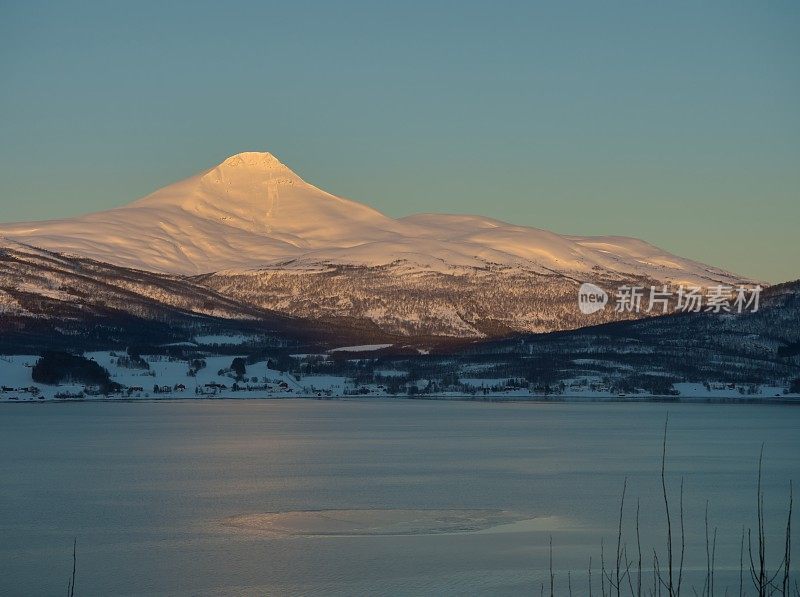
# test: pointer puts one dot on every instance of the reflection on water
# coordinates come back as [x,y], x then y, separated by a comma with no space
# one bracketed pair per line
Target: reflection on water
[345,523]
[401,497]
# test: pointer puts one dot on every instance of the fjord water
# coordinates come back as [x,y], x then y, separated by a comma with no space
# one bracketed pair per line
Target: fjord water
[148,489]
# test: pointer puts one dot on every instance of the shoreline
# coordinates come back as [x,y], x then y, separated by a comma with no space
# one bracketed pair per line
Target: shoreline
[790,399]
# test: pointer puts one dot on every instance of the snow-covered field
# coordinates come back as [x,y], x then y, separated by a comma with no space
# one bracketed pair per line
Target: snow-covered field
[166,378]
[361,348]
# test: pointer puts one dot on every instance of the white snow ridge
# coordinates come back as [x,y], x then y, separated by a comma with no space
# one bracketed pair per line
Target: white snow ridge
[253,212]
[252,231]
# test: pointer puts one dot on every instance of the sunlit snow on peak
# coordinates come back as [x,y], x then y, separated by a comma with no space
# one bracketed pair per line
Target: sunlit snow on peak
[251,211]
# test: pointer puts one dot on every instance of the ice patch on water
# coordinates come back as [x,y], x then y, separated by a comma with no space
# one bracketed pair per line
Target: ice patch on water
[311,523]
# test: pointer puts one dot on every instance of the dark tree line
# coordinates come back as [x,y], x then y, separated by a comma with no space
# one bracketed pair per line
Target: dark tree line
[55,367]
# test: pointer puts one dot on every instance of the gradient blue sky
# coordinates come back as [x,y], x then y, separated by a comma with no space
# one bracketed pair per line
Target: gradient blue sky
[676,122]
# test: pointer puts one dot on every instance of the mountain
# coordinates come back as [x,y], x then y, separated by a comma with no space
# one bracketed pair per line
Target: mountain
[50,299]
[749,355]
[252,230]
[748,348]
[251,211]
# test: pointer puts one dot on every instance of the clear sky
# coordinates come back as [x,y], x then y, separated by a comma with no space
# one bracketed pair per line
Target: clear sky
[676,122]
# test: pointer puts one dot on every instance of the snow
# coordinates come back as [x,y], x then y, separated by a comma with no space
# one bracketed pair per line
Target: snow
[253,212]
[170,375]
[719,390]
[390,373]
[484,382]
[360,348]
[222,340]
[15,373]
[16,370]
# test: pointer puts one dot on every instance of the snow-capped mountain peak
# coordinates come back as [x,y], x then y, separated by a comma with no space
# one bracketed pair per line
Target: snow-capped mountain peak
[252,160]
[252,212]
[251,177]
[248,168]
[263,237]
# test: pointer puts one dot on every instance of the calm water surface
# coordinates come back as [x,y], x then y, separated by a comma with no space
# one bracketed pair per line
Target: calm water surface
[147,489]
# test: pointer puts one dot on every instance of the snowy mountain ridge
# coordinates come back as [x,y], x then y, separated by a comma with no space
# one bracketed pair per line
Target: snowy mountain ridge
[253,212]
[253,232]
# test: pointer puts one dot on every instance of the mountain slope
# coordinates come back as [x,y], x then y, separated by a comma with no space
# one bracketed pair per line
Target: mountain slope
[402,298]
[748,348]
[251,211]
[253,231]
[50,299]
